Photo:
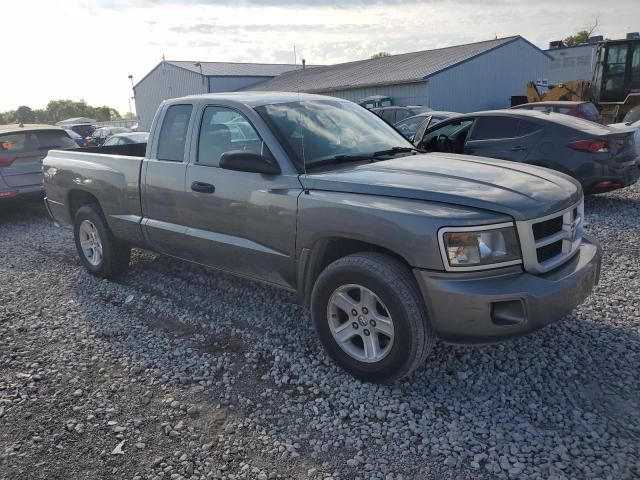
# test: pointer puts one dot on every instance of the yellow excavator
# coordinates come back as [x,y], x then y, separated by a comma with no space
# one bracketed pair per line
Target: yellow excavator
[615,88]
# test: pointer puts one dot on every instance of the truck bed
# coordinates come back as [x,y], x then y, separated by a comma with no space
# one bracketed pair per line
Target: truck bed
[110,174]
[130,150]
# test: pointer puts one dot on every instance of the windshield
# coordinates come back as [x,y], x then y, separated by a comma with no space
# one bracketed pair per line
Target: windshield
[314,131]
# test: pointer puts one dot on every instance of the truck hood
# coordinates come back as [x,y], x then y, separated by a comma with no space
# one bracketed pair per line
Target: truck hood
[522,191]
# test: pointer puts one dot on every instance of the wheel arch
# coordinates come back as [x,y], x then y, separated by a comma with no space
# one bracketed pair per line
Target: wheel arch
[77,198]
[326,251]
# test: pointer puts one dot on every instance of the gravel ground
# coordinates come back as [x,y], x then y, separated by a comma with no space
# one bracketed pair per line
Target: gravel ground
[176,372]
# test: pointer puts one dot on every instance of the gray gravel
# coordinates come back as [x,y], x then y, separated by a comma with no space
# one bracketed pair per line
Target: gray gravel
[179,372]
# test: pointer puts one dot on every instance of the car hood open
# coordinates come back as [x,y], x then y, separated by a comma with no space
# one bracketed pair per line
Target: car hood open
[519,190]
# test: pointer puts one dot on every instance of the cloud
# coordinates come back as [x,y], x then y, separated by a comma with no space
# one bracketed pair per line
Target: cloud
[210,28]
[141,32]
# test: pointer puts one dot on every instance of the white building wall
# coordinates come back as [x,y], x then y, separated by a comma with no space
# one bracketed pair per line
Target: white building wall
[573,63]
[402,94]
[164,82]
[489,80]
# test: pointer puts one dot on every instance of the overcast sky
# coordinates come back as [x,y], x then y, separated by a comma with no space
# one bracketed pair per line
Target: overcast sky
[86,48]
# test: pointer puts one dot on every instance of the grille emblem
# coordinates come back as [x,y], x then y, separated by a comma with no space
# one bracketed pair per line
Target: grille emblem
[572,231]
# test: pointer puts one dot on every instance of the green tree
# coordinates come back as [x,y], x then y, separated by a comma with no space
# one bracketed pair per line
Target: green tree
[3,120]
[577,39]
[24,114]
[58,110]
[582,36]
[381,55]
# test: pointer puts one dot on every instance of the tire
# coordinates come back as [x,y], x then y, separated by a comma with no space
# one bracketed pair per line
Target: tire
[401,348]
[102,254]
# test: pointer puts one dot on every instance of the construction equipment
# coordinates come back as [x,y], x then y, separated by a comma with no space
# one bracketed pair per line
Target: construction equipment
[575,91]
[615,88]
[616,81]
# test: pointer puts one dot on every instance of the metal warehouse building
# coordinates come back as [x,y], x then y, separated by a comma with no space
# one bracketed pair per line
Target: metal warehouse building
[171,79]
[463,78]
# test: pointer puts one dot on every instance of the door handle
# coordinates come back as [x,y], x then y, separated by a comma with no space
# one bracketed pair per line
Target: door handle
[519,149]
[202,187]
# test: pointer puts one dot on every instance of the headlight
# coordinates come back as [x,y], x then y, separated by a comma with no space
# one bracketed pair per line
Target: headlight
[476,248]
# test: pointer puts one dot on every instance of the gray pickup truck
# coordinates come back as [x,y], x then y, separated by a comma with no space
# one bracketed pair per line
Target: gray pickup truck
[390,248]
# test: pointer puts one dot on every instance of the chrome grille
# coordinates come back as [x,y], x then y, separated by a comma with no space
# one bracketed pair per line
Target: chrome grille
[550,241]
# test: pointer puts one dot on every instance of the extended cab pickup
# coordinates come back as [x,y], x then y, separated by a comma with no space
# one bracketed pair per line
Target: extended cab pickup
[390,248]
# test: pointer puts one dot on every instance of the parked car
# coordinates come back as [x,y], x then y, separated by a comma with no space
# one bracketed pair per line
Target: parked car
[395,114]
[389,248]
[601,158]
[127,138]
[83,129]
[22,148]
[410,126]
[375,101]
[75,137]
[99,136]
[586,110]
[636,135]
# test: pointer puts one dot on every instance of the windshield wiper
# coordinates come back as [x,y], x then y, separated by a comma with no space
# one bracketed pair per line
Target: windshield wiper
[393,151]
[345,158]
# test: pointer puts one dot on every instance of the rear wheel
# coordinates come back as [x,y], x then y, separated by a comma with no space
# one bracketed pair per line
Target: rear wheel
[370,317]
[100,252]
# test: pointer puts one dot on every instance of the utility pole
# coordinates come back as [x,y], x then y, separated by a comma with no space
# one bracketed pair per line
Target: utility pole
[131,97]
[199,65]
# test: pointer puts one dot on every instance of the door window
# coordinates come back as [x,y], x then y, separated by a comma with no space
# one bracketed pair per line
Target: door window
[388,114]
[495,128]
[525,128]
[113,141]
[447,138]
[225,130]
[173,134]
[410,126]
[635,67]
[614,73]
[401,114]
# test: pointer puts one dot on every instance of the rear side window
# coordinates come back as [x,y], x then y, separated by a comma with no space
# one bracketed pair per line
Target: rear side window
[38,141]
[494,128]
[173,134]
[525,128]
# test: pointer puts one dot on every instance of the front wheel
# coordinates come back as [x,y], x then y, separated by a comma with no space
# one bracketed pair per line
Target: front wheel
[100,252]
[370,317]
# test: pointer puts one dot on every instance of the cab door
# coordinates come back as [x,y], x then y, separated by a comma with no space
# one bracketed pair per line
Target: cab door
[240,222]
[506,138]
[162,180]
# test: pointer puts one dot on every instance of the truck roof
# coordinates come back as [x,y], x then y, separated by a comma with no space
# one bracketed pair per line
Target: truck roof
[255,99]
[16,128]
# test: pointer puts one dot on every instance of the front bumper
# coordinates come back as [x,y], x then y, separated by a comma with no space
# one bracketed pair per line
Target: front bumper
[483,308]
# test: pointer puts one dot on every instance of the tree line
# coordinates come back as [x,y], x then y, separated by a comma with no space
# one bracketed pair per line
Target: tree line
[57,110]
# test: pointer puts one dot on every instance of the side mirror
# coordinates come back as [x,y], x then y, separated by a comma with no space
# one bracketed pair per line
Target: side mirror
[247,161]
